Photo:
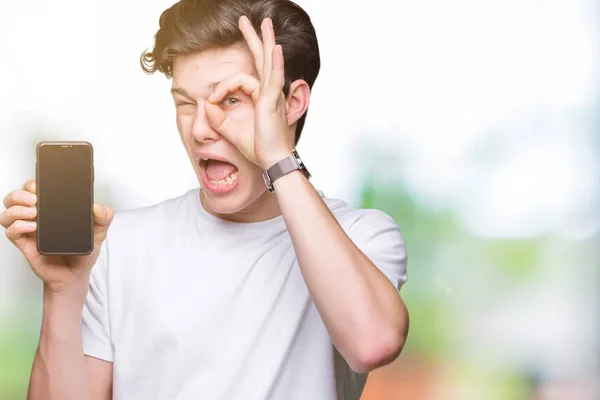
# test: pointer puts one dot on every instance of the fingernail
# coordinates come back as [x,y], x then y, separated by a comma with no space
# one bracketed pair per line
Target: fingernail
[31,224]
[32,198]
[103,211]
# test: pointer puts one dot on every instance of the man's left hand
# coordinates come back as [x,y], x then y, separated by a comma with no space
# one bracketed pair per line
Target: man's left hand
[271,140]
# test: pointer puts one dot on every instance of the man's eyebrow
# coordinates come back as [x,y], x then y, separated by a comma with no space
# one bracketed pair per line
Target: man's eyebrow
[183,93]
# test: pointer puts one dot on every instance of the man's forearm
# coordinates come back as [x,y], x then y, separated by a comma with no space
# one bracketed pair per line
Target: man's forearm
[362,311]
[59,367]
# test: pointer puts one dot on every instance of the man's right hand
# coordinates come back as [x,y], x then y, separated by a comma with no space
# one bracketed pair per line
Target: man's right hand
[59,273]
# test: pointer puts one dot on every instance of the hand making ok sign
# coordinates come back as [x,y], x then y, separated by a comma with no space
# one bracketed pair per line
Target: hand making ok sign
[271,140]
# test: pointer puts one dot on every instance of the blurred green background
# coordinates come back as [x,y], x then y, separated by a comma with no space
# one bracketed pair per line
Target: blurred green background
[475,125]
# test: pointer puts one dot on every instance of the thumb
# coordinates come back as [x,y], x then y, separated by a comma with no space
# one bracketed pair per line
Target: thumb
[218,120]
[103,216]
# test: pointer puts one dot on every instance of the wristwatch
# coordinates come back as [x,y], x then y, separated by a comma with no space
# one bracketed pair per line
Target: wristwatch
[283,167]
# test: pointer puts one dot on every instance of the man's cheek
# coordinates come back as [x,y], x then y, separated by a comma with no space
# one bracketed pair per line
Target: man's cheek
[183,125]
[241,115]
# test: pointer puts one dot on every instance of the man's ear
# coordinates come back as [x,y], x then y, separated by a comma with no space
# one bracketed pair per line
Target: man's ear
[297,100]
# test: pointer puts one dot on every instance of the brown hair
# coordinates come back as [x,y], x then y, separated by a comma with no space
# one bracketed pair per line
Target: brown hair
[191,26]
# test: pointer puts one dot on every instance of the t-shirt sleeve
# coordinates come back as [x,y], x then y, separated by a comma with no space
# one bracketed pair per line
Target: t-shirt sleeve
[95,326]
[377,235]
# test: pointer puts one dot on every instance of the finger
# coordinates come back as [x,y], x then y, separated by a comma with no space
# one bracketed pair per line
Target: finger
[16,231]
[103,216]
[268,36]
[275,88]
[219,122]
[20,197]
[242,81]
[14,213]
[30,186]
[254,43]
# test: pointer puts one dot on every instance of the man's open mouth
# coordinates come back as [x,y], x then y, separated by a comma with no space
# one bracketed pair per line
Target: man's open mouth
[219,172]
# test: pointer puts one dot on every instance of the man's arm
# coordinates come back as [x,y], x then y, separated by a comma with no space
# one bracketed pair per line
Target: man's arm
[363,312]
[60,369]
[361,309]
[100,375]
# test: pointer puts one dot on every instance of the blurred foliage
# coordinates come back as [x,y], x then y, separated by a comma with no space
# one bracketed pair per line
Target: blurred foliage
[443,257]
[423,231]
[18,344]
[495,384]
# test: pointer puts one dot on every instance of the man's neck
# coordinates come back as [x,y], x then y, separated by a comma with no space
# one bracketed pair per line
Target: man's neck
[264,208]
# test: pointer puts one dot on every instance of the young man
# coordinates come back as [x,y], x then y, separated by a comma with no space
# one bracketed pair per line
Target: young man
[234,290]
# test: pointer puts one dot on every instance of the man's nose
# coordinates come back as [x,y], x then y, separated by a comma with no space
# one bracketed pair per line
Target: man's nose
[201,129]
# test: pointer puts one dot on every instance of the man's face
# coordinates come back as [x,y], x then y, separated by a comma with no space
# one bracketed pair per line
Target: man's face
[230,183]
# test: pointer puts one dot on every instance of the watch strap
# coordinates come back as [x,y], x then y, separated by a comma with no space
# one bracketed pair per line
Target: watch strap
[283,167]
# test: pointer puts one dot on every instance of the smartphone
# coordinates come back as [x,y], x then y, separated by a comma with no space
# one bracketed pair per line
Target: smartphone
[65,190]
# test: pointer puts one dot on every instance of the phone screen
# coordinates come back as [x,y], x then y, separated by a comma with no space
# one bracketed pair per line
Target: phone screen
[65,198]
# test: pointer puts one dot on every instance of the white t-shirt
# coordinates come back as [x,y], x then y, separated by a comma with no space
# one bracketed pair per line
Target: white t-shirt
[188,306]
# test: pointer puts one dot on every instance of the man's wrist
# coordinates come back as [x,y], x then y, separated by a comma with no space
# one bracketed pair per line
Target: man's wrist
[73,293]
[291,178]
[274,159]
[284,166]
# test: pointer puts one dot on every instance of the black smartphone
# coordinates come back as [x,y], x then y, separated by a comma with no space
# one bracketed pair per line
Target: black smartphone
[65,191]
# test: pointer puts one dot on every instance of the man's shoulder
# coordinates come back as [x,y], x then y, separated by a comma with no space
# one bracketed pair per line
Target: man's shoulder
[348,215]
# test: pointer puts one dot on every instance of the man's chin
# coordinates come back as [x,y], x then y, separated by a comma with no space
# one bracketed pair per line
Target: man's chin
[220,203]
